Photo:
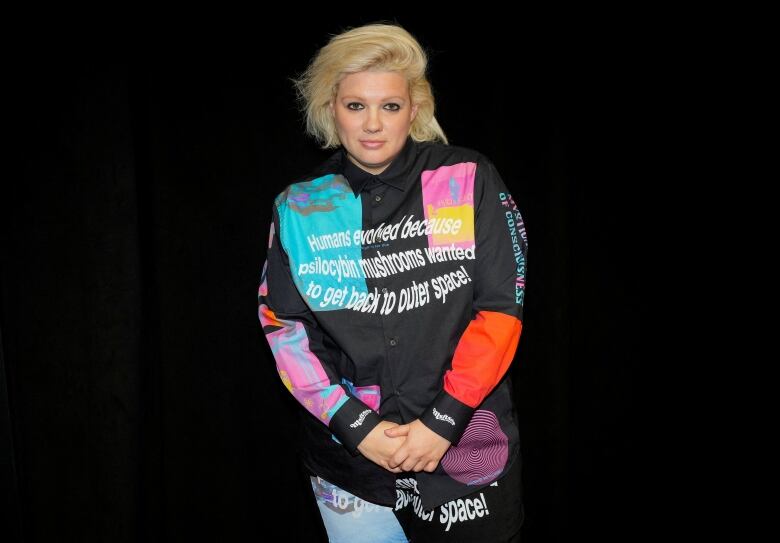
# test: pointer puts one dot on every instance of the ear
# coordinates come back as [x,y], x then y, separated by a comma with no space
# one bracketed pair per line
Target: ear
[414,111]
[330,107]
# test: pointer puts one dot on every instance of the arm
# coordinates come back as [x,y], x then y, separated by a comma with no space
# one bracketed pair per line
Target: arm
[487,346]
[306,366]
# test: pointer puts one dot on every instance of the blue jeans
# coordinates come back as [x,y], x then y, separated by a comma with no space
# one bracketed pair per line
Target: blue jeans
[492,514]
[350,519]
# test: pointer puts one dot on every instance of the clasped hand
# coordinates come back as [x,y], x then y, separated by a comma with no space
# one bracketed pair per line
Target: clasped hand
[404,447]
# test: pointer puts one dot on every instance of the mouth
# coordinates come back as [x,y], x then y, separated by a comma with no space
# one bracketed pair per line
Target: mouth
[369,144]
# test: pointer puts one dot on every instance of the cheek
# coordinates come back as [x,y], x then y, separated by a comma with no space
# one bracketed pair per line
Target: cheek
[344,123]
[404,122]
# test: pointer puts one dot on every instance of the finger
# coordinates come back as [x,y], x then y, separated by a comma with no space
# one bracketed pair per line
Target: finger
[398,458]
[430,467]
[409,464]
[420,466]
[396,431]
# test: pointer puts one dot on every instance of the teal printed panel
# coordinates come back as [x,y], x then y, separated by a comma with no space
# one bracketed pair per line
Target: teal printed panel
[320,222]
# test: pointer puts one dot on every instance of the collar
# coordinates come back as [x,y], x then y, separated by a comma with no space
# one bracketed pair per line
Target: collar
[394,175]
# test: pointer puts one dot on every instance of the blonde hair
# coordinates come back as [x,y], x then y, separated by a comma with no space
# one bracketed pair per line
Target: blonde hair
[378,47]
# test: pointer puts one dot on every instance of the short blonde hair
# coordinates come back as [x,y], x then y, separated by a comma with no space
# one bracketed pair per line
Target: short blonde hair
[378,47]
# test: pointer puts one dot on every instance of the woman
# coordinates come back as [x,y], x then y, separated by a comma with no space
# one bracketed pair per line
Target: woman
[392,297]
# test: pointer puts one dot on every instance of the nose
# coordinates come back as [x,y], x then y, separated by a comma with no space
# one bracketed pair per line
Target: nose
[373,123]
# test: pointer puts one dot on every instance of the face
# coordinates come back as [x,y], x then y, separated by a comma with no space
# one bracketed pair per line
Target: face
[373,114]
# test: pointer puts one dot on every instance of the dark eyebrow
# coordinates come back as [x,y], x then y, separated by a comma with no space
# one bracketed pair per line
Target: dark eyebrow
[362,99]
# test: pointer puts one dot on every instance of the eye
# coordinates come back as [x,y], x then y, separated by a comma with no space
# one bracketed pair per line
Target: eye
[357,104]
[393,107]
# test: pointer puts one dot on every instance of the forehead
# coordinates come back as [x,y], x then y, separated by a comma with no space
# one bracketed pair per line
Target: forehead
[370,84]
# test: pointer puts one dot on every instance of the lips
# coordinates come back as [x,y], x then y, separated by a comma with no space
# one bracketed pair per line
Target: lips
[368,144]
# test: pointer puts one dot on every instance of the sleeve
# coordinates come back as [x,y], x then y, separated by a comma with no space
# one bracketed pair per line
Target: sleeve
[488,344]
[305,356]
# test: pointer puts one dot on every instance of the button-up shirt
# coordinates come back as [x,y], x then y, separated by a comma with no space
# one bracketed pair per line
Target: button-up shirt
[399,296]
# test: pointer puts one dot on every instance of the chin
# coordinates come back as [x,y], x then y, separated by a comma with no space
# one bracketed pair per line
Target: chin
[370,159]
[373,161]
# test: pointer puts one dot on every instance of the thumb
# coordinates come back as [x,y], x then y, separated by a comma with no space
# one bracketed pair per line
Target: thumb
[396,431]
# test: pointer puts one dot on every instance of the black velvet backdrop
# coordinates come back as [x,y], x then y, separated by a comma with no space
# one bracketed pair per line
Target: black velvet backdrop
[138,398]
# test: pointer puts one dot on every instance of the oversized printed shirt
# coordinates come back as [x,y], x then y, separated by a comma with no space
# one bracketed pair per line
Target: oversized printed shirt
[397,297]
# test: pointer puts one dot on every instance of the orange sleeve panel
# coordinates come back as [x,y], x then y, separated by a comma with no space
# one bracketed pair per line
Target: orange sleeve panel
[482,357]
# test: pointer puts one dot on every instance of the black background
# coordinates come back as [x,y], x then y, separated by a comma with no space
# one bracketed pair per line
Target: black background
[139,400]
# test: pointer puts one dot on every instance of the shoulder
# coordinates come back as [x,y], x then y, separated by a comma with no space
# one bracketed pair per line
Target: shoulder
[435,151]
[435,154]
[303,186]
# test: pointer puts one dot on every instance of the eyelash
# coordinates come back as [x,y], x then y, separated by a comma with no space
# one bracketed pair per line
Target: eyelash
[398,107]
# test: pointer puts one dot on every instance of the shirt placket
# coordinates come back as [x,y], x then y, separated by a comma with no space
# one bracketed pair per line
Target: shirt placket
[374,213]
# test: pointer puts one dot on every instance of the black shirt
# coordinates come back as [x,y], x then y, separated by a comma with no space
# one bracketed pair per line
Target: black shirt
[399,296]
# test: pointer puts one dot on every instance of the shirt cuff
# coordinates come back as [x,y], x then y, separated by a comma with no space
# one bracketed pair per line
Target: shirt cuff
[352,422]
[447,416]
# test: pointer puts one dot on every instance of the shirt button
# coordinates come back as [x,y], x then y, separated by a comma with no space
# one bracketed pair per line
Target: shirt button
[394,342]
[377,198]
